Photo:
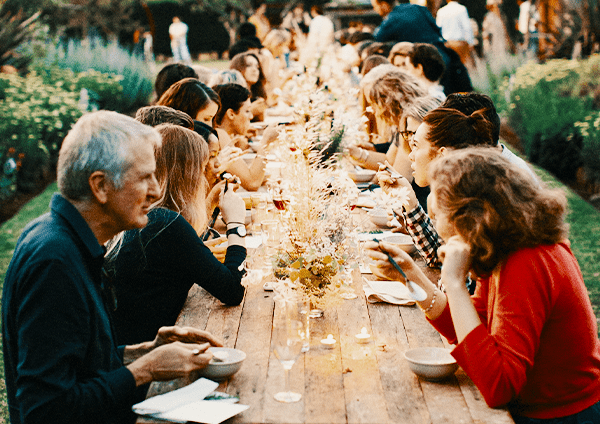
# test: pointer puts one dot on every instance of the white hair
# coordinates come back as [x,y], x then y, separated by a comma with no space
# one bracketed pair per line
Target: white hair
[99,141]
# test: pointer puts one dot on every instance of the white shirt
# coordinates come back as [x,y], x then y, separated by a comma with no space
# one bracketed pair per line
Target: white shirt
[518,161]
[524,17]
[454,21]
[178,30]
[320,33]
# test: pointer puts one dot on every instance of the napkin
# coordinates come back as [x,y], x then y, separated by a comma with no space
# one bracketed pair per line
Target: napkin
[187,404]
[365,202]
[393,292]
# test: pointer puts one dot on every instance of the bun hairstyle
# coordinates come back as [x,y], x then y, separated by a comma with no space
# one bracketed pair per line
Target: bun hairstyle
[232,97]
[495,206]
[452,128]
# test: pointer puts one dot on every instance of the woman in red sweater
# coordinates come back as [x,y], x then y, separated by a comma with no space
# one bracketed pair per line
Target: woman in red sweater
[528,337]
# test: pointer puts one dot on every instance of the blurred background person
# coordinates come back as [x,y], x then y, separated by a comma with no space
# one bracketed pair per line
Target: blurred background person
[260,21]
[320,35]
[178,33]
[457,30]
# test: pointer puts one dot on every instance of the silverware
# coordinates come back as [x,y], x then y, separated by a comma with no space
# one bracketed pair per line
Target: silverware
[415,291]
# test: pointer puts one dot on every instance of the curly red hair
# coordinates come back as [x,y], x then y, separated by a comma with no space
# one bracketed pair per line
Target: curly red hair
[496,206]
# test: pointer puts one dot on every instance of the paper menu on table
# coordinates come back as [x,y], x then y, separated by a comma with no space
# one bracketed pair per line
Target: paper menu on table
[203,411]
[187,404]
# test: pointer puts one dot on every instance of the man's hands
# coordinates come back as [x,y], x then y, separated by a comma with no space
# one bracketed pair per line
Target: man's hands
[175,352]
[168,335]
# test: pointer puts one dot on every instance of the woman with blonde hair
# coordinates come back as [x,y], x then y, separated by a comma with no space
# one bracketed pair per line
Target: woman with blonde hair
[273,56]
[392,91]
[528,337]
[155,267]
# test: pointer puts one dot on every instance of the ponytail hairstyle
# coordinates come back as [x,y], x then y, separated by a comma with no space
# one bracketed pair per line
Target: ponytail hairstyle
[495,206]
[453,129]
[180,163]
[232,97]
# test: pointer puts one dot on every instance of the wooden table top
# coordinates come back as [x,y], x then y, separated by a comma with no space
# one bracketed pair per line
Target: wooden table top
[352,383]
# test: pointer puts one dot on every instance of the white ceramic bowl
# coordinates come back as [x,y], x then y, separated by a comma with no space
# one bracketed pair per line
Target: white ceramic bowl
[403,241]
[362,176]
[217,370]
[379,217]
[431,363]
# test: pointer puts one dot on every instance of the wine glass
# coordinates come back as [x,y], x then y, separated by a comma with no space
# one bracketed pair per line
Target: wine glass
[347,292]
[288,340]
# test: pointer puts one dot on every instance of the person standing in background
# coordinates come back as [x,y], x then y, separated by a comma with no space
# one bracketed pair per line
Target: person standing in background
[495,37]
[456,27]
[178,32]
[260,21]
[320,34]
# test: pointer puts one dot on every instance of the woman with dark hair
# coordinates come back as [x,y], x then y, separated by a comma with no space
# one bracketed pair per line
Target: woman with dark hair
[170,74]
[232,123]
[528,337]
[250,67]
[192,97]
[442,131]
[154,268]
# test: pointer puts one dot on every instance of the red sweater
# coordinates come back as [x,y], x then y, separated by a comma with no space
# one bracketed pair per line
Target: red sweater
[537,350]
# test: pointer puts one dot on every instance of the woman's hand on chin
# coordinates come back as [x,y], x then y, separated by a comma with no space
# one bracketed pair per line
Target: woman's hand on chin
[456,258]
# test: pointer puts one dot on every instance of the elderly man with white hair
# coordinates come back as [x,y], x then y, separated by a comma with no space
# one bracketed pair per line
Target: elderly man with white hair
[61,361]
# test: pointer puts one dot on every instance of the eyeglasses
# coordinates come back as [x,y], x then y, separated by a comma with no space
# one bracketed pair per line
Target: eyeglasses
[407,135]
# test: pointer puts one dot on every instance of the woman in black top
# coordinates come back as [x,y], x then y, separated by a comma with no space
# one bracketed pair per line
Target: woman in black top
[152,269]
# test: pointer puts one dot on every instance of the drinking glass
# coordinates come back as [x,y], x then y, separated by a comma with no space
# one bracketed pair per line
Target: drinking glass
[259,211]
[288,339]
[270,235]
[347,290]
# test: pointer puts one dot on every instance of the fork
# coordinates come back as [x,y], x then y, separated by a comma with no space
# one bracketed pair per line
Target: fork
[415,291]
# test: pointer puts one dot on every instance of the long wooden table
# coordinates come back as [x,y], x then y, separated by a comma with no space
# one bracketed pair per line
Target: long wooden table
[353,383]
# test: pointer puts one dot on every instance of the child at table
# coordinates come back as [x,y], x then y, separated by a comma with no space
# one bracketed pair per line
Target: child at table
[528,336]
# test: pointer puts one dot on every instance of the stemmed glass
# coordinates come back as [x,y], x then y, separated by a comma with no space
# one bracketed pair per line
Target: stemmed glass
[288,339]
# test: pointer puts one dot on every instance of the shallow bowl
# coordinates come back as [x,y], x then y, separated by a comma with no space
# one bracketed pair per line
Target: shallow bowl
[431,363]
[217,370]
[379,217]
[362,176]
[403,241]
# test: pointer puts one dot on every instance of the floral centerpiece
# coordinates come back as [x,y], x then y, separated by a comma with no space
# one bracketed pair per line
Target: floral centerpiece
[319,198]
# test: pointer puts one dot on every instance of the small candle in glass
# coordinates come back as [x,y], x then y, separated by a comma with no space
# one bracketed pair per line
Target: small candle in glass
[363,336]
[329,342]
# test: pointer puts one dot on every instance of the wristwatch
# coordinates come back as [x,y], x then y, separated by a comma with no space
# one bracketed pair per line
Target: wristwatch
[239,231]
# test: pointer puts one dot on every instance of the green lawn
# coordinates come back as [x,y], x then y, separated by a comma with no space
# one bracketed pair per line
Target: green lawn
[584,236]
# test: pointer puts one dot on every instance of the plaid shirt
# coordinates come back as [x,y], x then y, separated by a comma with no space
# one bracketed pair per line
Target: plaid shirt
[427,240]
[424,235]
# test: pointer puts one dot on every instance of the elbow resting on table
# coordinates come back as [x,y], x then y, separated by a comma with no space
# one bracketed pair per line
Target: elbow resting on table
[237,299]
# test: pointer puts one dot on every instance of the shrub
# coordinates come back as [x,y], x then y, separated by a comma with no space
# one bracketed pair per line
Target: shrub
[589,130]
[542,102]
[34,118]
[105,88]
[134,74]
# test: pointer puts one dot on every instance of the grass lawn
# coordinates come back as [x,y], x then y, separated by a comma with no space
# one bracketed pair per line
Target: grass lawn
[584,236]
